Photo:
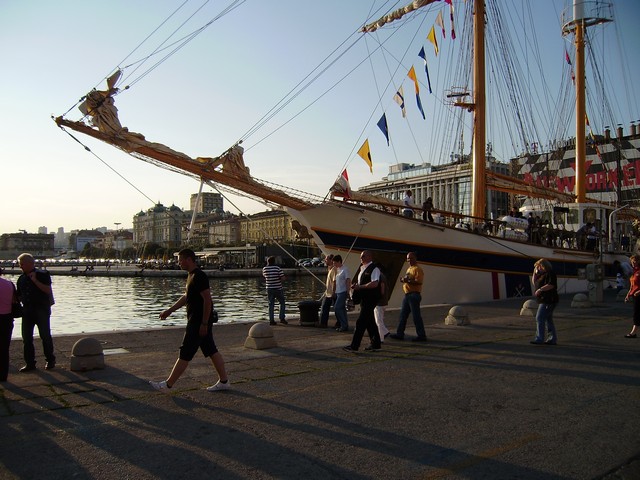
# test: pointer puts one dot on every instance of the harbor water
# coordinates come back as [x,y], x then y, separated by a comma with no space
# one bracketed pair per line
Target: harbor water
[86,304]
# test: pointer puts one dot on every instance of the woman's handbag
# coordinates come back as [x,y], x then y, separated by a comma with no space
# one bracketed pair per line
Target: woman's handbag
[356,297]
[16,310]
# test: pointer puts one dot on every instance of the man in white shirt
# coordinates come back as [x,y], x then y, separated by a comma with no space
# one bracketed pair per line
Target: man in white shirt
[407,211]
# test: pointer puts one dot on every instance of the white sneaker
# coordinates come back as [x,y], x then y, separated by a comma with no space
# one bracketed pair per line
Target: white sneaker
[160,386]
[219,386]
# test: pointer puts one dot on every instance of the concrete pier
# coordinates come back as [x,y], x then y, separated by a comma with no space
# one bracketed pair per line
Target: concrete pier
[476,401]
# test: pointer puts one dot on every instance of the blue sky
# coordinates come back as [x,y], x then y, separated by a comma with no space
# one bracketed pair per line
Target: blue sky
[204,98]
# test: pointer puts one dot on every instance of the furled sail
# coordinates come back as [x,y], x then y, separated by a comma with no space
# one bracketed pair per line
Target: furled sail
[396,15]
[100,106]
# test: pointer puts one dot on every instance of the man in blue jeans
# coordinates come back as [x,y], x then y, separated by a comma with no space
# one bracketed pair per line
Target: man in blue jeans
[412,287]
[274,275]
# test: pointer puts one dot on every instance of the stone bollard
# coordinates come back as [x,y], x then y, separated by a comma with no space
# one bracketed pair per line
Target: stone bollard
[87,354]
[529,308]
[580,300]
[457,316]
[260,337]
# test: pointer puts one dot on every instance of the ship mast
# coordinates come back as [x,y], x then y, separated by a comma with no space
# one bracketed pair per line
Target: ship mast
[479,200]
[581,20]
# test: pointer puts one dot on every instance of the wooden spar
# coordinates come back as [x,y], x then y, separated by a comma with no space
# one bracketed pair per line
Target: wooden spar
[479,200]
[204,168]
[504,183]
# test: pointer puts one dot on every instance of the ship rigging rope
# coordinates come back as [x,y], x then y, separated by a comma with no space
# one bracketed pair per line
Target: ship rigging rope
[179,44]
[114,170]
[597,92]
[514,88]
[303,84]
[175,47]
[149,36]
[454,72]
[381,95]
[295,92]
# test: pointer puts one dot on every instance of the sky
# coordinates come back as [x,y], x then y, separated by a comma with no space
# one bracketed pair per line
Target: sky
[207,96]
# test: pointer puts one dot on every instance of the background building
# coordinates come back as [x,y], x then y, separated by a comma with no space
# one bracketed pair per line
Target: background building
[225,232]
[61,241]
[94,238]
[448,185]
[160,225]
[267,227]
[209,202]
[612,167]
[118,240]
[38,244]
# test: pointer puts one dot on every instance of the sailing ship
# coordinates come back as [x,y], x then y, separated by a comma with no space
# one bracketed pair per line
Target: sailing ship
[466,258]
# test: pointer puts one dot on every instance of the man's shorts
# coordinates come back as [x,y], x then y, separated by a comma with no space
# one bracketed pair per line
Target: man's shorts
[192,341]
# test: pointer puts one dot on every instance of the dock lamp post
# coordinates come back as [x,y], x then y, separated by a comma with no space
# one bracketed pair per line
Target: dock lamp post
[115,238]
[611,225]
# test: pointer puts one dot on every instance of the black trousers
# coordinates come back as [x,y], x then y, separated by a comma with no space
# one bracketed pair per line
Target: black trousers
[6,329]
[40,317]
[636,310]
[366,321]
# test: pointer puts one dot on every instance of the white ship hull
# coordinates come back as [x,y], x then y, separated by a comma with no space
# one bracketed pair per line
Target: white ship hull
[460,266]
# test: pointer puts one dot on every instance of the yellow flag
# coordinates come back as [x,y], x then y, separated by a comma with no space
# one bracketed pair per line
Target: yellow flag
[365,153]
[432,38]
[412,75]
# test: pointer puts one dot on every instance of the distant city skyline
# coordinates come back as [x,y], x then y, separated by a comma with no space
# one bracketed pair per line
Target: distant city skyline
[115,225]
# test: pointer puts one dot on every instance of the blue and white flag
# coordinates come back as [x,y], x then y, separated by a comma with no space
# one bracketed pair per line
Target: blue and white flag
[399,98]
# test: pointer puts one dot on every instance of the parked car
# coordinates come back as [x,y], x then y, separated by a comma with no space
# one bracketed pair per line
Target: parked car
[305,262]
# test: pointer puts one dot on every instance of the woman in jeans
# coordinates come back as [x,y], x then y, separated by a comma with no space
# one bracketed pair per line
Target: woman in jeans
[546,292]
[342,289]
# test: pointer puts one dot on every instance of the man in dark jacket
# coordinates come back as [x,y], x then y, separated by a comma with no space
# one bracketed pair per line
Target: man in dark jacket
[34,291]
[365,286]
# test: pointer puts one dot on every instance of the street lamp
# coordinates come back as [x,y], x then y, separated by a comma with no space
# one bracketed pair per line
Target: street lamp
[115,238]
